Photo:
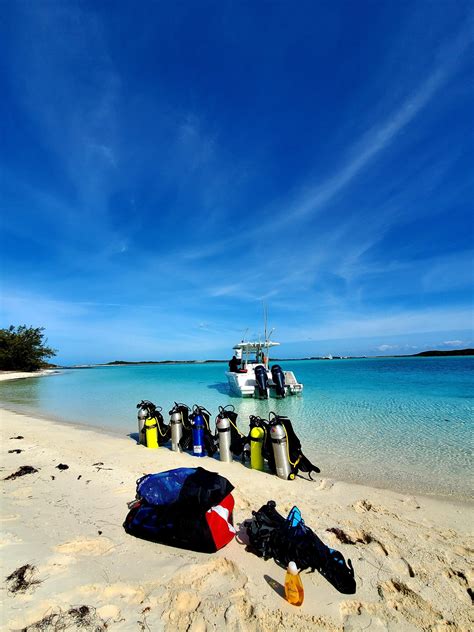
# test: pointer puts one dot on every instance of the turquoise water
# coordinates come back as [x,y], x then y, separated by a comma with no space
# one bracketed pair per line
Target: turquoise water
[401,423]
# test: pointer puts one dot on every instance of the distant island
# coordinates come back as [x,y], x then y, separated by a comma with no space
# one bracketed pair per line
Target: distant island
[121,362]
[453,352]
[423,354]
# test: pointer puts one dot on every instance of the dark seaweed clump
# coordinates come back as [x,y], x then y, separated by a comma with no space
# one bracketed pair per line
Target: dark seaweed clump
[22,579]
[77,618]
[21,471]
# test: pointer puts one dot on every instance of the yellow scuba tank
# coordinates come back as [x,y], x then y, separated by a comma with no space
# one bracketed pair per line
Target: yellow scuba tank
[257,435]
[151,432]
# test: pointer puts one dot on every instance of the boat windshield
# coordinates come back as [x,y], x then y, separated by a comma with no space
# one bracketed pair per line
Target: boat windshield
[253,352]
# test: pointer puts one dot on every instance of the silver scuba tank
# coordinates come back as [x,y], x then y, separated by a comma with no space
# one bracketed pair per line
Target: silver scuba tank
[176,420]
[223,428]
[142,416]
[280,447]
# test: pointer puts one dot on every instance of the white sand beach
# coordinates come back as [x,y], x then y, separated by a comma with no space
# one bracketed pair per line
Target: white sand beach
[412,555]
[21,375]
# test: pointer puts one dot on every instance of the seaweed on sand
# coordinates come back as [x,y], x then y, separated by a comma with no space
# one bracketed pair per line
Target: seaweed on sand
[21,471]
[22,579]
[76,618]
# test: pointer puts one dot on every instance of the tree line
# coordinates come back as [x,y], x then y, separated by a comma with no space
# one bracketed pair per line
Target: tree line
[24,348]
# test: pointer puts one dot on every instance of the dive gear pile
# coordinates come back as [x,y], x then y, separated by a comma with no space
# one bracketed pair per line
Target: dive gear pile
[192,508]
[189,508]
[271,440]
[290,540]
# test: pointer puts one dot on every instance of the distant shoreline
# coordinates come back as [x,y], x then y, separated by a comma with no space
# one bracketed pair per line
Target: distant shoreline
[422,354]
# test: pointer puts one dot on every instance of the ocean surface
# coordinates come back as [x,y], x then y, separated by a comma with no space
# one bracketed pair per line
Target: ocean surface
[398,423]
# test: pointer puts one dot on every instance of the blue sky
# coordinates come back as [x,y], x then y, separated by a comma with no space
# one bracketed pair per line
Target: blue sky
[166,168]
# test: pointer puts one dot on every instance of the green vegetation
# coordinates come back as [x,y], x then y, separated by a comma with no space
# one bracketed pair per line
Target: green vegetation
[23,349]
[451,352]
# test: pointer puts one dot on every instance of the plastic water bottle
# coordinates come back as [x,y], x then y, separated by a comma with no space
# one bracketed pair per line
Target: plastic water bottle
[294,591]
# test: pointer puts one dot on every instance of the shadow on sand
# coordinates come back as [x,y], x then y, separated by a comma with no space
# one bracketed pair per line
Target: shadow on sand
[133,435]
[277,587]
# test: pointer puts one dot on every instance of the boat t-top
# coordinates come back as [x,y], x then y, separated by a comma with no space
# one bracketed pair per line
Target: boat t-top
[249,374]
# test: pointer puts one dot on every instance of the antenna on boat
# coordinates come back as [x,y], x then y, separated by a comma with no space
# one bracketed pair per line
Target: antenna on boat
[265,318]
[244,334]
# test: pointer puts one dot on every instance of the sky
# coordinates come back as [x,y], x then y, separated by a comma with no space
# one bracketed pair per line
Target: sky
[167,169]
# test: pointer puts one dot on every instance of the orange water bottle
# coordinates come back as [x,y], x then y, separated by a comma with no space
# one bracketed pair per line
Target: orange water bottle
[294,591]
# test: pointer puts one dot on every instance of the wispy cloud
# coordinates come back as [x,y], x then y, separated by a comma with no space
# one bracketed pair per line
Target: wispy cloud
[398,322]
[379,137]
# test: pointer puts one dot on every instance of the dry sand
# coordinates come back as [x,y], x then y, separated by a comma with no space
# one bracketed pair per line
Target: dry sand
[411,554]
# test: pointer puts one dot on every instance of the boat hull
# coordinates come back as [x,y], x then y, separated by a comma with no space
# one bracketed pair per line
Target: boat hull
[245,385]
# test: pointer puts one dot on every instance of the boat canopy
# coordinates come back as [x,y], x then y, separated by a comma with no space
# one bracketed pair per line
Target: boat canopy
[249,347]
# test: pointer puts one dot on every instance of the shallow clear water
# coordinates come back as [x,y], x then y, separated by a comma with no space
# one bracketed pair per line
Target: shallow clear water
[402,423]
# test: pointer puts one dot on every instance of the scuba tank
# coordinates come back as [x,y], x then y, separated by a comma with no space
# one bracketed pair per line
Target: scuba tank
[146,410]
[280,451]
[177,421]
[141,416]
[199,437]
[256,444]
[278,378]
[235,444]
[257,439]
[224,435]
[151,432]
[197,422]
[261,378]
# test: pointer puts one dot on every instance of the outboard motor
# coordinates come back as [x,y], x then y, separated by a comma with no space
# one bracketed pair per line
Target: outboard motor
[262,381]
[278,378]
[280,451]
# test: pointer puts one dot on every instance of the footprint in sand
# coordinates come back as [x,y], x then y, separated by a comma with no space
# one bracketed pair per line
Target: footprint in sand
[404,601]
[242,504]
[410,502]
[357,536]
[364,505]
[109,612]
[22,493]
[206,593]
[402,567]
[9,538]
[325,485]
[88,546]
[461,584]
[57,564]
[9,517]
[125,593]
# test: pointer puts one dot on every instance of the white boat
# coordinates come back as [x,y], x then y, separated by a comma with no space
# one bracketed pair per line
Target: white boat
[254,377]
